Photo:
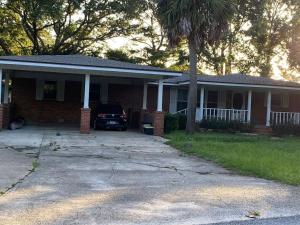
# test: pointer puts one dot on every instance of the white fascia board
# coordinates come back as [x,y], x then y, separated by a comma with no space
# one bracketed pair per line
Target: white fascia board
[244,85]
[232,85]
[165,84]
[84,69]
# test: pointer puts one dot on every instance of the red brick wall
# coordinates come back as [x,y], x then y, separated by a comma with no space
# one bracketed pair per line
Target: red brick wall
[259,109]
[294,104]
[25,105]
[131,96]
[152,99]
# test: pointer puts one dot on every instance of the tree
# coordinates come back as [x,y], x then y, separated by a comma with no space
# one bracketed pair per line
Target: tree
[12,38]
[150,37]
[71,26]
[271,24]
[294,40]
[232,52]
[201,23]
[120,55]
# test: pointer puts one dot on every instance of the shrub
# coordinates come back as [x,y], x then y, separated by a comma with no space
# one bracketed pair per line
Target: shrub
[286,129]
[171,123]
[226,125]
[181,121]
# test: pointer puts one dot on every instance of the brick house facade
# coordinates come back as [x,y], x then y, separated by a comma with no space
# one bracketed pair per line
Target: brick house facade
[39,112]
[140,90]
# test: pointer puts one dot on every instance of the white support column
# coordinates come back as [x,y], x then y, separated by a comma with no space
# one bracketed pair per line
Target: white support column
[1,76]
[249,108]
[145,96]
[6,88]
[160,96]
[201,103]
[268,117]
[86,91]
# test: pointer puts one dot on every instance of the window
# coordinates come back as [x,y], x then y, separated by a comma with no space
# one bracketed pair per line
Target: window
[237,101]
[279,100]
[182,99]
[95,92]
[276,100]
[50,90]
[212,99]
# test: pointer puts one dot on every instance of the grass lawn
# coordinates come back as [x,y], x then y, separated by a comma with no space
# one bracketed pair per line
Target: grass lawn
[261,156]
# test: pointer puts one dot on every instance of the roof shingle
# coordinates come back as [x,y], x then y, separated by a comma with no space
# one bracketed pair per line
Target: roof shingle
[235,79]
[81,60]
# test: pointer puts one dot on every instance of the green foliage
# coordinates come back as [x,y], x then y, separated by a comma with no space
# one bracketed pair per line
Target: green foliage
[151,38]
[171,123]
[174,122]
[286,129]
[181,121]
[271,25]
[226,125]
[262,156]
[120,55]
[13,39]
[294,42]
[35,165]
[71,26]
[194,20]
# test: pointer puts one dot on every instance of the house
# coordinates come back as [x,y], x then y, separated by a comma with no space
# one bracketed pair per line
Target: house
[259,100]
[62,89]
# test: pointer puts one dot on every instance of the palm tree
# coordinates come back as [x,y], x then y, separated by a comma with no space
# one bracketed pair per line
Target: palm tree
[200,22]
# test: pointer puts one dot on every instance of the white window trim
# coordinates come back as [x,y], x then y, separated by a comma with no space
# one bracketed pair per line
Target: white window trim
[60,90]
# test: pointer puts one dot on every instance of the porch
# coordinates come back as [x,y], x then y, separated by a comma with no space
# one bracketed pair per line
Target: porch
[261,107]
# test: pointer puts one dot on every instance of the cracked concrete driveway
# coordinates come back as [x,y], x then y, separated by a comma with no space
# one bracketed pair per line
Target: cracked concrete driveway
[129,178]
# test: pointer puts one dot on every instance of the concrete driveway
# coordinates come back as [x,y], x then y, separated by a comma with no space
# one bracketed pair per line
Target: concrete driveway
[126,178]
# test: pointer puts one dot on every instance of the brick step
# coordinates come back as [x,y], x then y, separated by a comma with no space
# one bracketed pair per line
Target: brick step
[263,130]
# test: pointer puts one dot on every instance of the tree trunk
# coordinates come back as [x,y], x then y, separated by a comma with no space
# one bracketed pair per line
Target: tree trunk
[192,96]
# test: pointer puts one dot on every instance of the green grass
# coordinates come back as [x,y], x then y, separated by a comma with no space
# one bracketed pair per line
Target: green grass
[35,165]
[261,156]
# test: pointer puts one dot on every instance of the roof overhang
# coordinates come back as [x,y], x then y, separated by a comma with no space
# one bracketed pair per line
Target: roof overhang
[238,85]
[93,70]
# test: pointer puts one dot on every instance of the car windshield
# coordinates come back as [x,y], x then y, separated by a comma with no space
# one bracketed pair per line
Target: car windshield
[110,109]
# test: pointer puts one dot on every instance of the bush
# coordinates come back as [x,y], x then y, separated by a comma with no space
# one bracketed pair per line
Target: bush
[226,125]
[171,123]
[181,121]
[286,129]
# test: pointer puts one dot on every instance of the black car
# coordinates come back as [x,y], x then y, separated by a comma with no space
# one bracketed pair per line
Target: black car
[110,116]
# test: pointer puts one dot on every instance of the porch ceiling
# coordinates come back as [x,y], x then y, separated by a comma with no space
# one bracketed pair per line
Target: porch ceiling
[76,64]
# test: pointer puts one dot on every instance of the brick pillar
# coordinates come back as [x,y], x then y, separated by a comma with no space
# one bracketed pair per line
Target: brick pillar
[85,121]
[6,116]
[158,123]
[1,116]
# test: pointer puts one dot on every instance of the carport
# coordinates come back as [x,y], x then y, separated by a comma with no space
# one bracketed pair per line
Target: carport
[63,89]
